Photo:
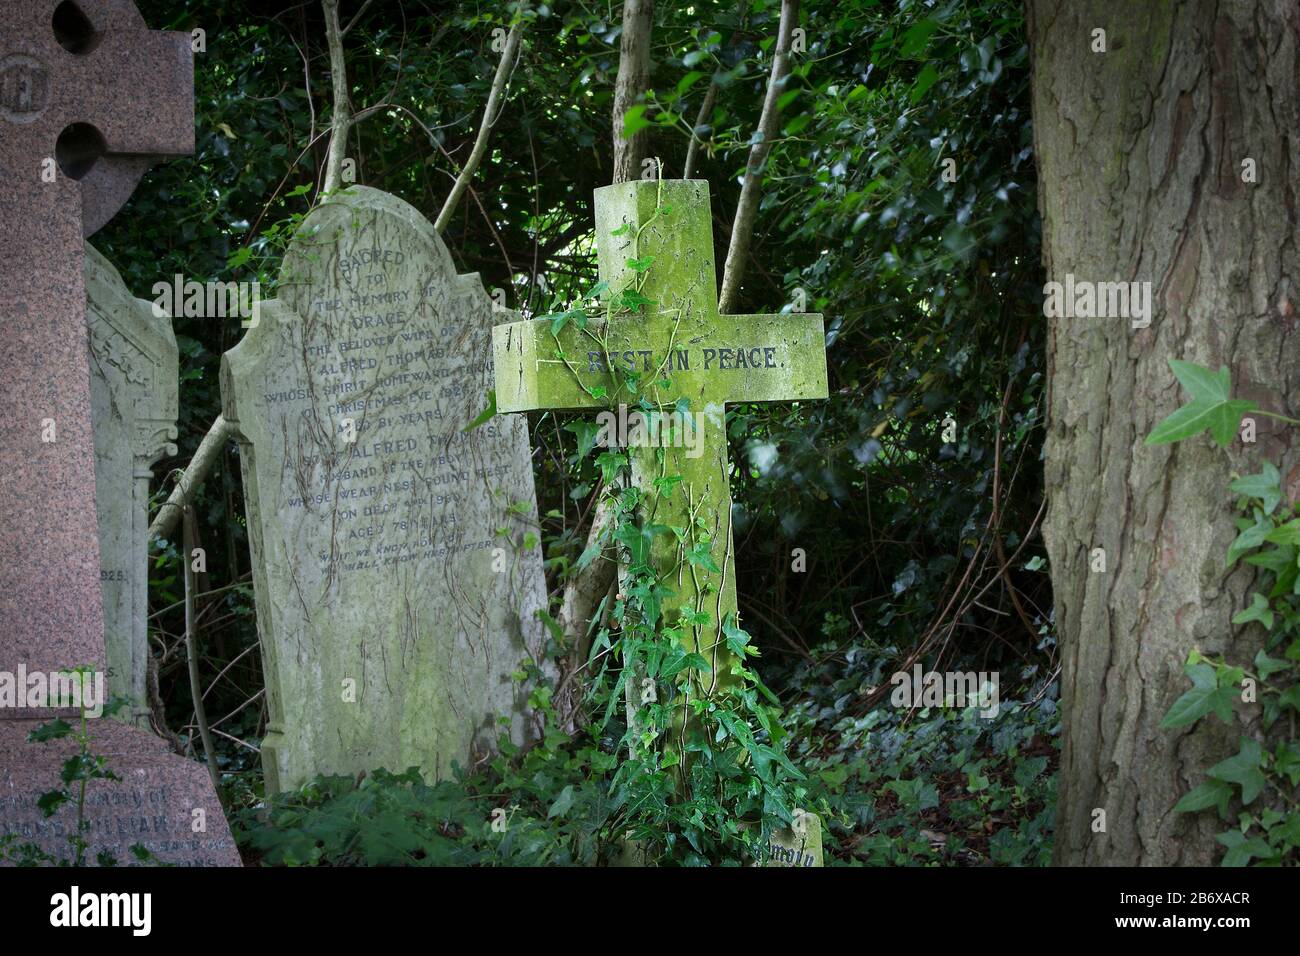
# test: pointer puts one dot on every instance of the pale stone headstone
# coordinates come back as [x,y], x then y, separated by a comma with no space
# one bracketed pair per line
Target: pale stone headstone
[396,563]
[133,399]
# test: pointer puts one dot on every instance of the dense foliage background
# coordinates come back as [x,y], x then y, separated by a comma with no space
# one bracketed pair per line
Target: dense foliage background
[917,549]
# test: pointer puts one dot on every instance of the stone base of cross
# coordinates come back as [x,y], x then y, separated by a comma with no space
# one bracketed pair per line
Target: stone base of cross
[676,364]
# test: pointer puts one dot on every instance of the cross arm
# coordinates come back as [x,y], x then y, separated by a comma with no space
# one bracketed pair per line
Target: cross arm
[709,359]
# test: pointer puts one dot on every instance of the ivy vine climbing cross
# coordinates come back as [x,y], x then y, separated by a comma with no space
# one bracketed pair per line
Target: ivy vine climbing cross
[670,364]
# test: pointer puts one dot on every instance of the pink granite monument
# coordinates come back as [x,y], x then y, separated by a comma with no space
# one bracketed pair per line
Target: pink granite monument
[89,99]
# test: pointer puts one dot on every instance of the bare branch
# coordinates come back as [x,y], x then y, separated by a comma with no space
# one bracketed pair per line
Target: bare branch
[693,150]
[353,22]
[192,652]
[209,451]
[490,114]
[742,229]
[341,118]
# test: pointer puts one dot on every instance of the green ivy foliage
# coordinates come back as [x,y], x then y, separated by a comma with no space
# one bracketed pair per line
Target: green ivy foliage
[1254,790]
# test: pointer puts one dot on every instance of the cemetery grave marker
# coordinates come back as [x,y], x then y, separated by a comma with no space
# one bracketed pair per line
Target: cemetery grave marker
[87,101]
[133,396]
[89,98]
[393,614]
[682,353]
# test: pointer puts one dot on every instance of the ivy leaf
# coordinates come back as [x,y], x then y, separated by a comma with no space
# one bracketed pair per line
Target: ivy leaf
[1211,407]
[634,121]
[1287,763]
[1291,697]
[1288,533]
[50,801]
[1212,793]
[664,484]
[586,433]
[1206,695]
[1244,770]
[1027,771]
[1201,383]
[917,38]
[51,730]
[924,80]
[1241,849]
[1251,538]
[559,320]
[1268,666]
[1277,560]
[589,554]
[700,556]
[737,638]
[1222,419]
[562,803]
[610,464]
[1259,610]
[1266,486]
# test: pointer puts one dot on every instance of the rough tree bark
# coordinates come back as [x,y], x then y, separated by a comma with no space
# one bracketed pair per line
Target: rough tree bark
[1140,153]
[631,83]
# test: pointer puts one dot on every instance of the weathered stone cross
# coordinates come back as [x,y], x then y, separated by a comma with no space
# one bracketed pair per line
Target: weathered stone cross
[680,348]
[89,98]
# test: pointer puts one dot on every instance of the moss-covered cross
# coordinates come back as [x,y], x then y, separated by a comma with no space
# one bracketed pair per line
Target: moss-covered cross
[677,355]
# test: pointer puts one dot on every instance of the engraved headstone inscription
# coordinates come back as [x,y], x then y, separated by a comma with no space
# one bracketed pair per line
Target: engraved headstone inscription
[397,568]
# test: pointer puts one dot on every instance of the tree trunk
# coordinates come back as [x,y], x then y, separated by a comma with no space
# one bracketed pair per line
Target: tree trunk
[632,81]
[1140,152]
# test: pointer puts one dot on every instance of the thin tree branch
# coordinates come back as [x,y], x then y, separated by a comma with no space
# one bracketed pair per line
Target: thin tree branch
[191,650]
[490,113]
[693,150]
[355,18]
[205,457]
[746,209]
[341,118]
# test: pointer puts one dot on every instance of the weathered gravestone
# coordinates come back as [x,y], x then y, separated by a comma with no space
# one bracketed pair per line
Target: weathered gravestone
[133,397]
[679,350]
[89,97]
[797,845]
[396,563]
